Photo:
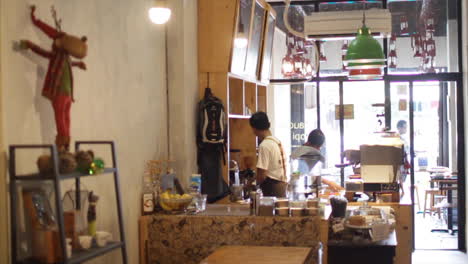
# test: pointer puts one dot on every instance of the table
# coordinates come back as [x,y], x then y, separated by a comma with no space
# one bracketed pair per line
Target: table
[260,255]
[447,184]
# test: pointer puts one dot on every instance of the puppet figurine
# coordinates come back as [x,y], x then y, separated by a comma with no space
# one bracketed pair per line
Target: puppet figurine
[58,84]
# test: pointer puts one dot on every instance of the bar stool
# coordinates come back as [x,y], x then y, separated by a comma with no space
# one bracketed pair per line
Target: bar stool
[430,193]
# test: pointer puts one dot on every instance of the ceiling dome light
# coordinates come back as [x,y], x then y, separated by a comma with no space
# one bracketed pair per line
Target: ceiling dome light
[241,42]
[159,13]
[364,53]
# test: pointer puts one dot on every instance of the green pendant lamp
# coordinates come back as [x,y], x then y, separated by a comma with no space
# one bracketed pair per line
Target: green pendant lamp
[365,58]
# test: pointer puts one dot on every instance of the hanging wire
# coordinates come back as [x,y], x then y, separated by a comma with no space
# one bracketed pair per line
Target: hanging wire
[364,13]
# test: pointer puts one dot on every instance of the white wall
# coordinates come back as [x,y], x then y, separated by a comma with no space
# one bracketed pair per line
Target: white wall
[183,86]
[121,97]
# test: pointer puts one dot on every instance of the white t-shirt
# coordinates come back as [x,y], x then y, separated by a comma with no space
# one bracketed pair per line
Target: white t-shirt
[271,160]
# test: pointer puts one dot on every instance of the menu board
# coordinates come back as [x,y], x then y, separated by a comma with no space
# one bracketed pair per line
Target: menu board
[254,47]
[239,54]
[266,62]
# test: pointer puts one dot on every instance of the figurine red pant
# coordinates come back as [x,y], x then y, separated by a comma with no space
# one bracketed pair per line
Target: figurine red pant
[62,106]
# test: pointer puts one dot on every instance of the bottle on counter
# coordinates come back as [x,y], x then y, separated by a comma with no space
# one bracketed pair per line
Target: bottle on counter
[255,201]
[195,183]
[147,196]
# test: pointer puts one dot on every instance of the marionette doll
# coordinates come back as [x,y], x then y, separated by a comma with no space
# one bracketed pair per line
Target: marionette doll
[58,84]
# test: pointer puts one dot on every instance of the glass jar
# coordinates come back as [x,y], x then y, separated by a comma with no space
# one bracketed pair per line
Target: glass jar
[305,180]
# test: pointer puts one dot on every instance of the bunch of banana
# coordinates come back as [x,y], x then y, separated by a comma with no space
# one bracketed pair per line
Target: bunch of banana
[170,201]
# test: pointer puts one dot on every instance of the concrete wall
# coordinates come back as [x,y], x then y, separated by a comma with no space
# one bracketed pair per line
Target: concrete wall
[121,97]
[183,86]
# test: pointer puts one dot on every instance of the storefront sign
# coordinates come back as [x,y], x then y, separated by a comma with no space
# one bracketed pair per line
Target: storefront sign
[348,111]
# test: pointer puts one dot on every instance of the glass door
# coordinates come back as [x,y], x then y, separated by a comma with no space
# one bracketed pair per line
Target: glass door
[330,126]
[424,114]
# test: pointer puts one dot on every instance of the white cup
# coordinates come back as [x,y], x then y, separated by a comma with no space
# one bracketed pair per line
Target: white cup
[102,237]
[85,241]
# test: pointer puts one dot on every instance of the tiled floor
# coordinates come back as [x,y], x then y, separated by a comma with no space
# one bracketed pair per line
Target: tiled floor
[425,239]
[439,257]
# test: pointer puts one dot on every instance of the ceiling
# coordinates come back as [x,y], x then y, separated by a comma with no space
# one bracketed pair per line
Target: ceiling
[443,10]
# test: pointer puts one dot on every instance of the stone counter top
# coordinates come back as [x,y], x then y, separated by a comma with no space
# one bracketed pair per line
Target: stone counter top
[190,238]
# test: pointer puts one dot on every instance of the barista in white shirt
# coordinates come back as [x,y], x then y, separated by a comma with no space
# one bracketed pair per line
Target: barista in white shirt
[271,167]
[312,147]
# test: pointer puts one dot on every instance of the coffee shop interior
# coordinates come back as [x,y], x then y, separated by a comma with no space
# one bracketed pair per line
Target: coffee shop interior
[233,131]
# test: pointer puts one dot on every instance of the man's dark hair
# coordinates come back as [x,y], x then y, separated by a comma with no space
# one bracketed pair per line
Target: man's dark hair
[316,138]
[259,121]
[401,123]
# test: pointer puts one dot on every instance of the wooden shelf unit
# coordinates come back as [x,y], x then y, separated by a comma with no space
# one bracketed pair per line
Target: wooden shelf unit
[234,73]
[219,24]
[241,95]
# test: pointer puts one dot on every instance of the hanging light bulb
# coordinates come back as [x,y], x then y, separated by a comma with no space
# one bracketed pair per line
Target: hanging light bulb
[287,68]
[290,41]
[321,48]
[159,13]
[430,23]
[308,68]
[404,29]
[392,56]
[298,66]
[241,39]
[344,47]
[299,45]
[287,65]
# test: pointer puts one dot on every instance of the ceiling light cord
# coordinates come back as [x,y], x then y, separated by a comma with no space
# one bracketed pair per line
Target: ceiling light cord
[364,14]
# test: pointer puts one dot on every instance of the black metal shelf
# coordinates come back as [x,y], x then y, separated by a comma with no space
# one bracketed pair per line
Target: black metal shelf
[56,177]
[73,175]
[85,255]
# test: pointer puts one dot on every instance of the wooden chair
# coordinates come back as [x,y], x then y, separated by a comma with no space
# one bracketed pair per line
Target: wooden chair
[431,193]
